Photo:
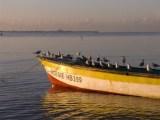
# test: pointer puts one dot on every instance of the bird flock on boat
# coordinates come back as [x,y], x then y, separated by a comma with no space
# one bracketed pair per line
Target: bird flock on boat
[99,62]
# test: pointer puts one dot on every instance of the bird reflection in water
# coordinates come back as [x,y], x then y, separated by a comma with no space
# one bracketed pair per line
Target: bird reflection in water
[64,103]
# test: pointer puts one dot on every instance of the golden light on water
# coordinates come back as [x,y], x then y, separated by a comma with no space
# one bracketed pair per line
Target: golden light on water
[60,103]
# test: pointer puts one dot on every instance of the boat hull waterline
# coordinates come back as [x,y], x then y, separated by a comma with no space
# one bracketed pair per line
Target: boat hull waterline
[85,78]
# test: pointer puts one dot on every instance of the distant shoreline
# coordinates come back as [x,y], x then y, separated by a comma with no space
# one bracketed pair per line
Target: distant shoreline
[70,31]
[79,33]
[60,31]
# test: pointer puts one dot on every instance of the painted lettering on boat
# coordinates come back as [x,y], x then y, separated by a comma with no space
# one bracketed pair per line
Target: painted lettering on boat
[66,76]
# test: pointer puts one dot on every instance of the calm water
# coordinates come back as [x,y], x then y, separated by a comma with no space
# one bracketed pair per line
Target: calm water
[25,92]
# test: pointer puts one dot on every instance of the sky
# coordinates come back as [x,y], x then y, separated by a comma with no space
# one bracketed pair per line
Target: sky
[100,15]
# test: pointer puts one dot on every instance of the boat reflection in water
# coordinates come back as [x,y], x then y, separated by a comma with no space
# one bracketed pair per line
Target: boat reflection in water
[63,103]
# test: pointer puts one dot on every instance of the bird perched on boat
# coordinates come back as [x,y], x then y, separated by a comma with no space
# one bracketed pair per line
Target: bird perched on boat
[98,59]
[90,58]
[105,59]
[38,52]
[58,55]
[141,63]
[48,54]
[101,63]
[148,67]
[116,65]
[155,65]
[84,58]
[93,62]
[78,53]
[128,66]
[123,59]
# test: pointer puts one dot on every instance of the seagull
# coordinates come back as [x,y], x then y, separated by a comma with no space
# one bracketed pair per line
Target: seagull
[98,59]
[141,63]
[78,54]
[38,52]
[155,65]
[123,59]
[105,59]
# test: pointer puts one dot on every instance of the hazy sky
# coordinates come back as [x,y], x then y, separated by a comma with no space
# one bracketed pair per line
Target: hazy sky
[102,15]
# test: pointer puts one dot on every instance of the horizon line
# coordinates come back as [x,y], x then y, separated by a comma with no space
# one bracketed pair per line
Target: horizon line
[95,31]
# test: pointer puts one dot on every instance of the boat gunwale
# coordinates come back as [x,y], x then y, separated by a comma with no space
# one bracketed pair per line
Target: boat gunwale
[113,71]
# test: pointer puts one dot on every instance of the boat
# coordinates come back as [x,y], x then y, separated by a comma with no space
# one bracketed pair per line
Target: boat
[102,77]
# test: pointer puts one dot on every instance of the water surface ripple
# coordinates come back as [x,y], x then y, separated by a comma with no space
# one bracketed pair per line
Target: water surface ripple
[62,103]
[24,93]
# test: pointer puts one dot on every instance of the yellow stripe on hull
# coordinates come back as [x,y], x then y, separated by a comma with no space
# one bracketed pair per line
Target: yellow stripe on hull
[106,81]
